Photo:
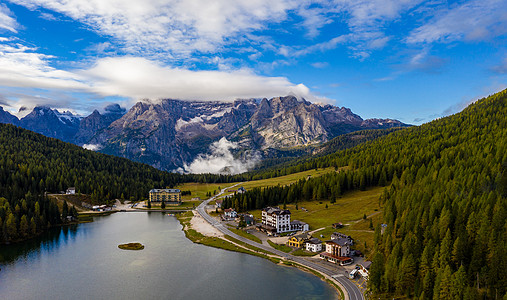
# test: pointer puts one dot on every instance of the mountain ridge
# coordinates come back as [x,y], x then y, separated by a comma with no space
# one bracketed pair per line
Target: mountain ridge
[170,133]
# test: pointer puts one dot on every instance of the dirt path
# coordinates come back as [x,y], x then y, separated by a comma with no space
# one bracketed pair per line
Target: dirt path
[369,216]
[313,231]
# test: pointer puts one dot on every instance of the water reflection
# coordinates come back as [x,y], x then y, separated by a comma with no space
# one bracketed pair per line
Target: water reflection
[86,263]
[46,242]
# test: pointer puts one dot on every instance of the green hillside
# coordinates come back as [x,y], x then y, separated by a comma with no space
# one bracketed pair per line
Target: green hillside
[289,161]
[32,164]
[445,210]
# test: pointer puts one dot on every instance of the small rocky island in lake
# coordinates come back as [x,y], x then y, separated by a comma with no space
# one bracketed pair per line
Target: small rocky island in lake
[131,246]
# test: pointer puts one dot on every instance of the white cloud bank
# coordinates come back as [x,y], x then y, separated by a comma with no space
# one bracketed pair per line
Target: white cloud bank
[473,21]
[132,78]
[7,22]
[221,160]
[21,66]
[175,29]
[177,25]
[136,77]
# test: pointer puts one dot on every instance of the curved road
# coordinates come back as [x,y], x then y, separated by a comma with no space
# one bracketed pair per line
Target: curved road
[352,292]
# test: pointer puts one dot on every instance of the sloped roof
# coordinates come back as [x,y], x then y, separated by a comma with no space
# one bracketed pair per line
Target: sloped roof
[315,241]
[164,190]
[366,264]
[339,241]
[276,211]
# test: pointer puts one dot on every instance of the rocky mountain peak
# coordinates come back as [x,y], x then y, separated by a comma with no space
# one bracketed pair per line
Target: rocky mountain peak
[52,123]
[6,117]
[169,133]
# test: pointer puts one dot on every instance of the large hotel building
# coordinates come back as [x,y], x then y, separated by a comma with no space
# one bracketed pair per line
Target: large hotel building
[166,195]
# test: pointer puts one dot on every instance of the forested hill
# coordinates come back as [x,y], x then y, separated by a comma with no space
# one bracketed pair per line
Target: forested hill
[445,210]
[32,164]
[301,159]
[446,214]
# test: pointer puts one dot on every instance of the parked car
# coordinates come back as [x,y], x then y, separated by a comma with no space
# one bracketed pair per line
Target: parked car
[353,274]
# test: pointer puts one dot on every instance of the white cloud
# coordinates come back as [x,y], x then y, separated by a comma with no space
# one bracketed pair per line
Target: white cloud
[92,147]
[473,20]
[48,17]
[319,65]
[175,27]
[21,66]
[7,22]
[500,68]
[36,82]
[136,78]
[221,160]
[319,47]
[367,21]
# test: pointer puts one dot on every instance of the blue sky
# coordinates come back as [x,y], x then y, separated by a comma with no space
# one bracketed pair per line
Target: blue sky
[410,60]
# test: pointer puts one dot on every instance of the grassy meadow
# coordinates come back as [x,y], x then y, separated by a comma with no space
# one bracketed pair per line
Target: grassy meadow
[201,189]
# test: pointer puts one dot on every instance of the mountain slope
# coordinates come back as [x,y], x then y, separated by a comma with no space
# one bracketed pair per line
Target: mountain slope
[7,118]
[32,164]
[445,210]
[284,162]
[173,132]
[51,123]
[94,123]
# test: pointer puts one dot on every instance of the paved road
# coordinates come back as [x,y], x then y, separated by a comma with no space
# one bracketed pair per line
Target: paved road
[351,290]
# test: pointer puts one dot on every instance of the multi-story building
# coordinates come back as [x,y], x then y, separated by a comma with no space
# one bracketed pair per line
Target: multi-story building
[297,225]
[230,213]
[337,251]
[314,245]
[339,235]
[299,240]
[166,195]
[276,220]
[364,269]
[338,247]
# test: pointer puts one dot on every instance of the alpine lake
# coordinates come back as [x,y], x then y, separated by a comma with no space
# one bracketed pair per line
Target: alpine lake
[84,262]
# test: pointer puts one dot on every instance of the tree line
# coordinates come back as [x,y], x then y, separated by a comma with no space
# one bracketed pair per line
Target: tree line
[32,165]
[445,205]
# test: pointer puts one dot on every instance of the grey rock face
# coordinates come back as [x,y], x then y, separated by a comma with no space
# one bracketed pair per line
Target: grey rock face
[171,132]
[96,122]
[168,133]
[52,123]
[7,118]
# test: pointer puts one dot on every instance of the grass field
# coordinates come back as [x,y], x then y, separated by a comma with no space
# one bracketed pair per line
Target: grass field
[349,210]
[351,207]
[301,252]
[280,247]
[75,200]
[200,189]
[247,235]
[287,179]
[183,205]
[216,242]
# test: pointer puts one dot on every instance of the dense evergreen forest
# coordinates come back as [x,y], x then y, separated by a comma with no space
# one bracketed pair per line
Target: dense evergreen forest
[290,161]
[32,164]
[445,209]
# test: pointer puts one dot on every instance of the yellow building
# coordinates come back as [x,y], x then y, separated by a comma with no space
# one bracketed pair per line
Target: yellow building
[166,195]
[298,241]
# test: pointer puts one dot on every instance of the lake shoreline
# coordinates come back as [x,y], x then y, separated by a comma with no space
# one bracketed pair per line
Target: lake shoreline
[92,249]
[188,226]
